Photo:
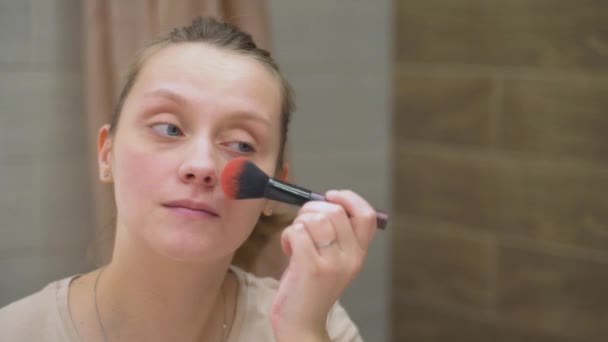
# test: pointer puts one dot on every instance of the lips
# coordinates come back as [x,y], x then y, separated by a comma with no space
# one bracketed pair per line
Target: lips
[194,206]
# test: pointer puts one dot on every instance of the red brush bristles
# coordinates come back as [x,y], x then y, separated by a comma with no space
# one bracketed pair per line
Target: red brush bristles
[242,179]
[230,176]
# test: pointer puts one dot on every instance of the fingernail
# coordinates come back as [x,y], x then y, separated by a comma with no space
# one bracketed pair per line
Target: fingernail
[298,226]
[331,193]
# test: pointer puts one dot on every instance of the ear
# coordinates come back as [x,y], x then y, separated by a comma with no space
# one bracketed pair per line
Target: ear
[284,174]
[104,155]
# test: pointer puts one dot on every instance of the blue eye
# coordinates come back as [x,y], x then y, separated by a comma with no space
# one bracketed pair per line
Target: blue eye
[242,147]
[168,129]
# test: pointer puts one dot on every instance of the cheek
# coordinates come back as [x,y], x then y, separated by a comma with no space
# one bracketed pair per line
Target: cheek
[137,174]
[242,216]
[245,210]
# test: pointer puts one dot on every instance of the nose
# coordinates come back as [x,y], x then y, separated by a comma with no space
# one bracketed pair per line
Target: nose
[200,164]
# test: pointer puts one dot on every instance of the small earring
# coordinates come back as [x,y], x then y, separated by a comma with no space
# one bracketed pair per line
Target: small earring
[267,212]
[106,173]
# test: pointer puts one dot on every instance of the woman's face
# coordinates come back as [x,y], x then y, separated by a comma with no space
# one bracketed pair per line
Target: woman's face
[192,109]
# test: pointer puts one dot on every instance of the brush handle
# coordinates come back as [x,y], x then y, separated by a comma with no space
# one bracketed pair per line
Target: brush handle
[381,219]
[381,216]
[291,194]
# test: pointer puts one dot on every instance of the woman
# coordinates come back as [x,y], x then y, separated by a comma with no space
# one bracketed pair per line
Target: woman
[194,100]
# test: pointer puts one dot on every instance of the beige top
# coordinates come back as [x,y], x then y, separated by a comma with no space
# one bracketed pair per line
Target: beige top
[45,316]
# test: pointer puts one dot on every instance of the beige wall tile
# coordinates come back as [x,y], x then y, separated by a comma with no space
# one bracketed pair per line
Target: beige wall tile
[556,118]
[520,33]
[553,293]
[447,110]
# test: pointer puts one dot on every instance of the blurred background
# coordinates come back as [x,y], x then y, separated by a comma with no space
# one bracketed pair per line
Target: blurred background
[479,125]
[499,159]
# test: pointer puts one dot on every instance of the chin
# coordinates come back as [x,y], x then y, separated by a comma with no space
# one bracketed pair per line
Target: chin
[191,245]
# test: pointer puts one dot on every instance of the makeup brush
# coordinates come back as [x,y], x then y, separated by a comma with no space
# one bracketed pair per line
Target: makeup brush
[242,179]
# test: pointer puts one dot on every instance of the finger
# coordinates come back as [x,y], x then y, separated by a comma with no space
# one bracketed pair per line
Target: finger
[319,227]
[285,244]
[345,234]
[362,215]
[303,249]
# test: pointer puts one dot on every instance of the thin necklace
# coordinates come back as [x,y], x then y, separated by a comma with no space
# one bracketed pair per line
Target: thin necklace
[103,330]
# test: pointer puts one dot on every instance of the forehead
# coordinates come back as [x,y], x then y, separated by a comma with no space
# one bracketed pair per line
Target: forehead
[208,76]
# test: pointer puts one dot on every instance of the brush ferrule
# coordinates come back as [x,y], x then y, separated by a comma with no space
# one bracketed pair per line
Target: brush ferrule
[283,192]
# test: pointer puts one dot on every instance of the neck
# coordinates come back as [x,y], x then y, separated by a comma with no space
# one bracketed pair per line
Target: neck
[145,296]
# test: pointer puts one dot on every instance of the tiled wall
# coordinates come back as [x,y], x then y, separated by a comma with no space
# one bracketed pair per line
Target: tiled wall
[44,221]
[501,170]
[337,56]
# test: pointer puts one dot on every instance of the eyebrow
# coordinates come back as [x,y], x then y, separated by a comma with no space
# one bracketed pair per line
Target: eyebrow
[182,101]
[250,117]
[173,96]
